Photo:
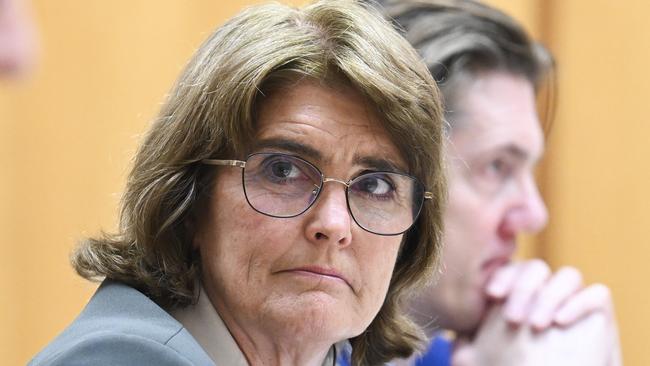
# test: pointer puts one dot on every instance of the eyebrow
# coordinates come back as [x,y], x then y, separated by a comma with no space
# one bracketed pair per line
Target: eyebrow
[378,164]
[519,153]
[292,146]
[516,151]
[314,155]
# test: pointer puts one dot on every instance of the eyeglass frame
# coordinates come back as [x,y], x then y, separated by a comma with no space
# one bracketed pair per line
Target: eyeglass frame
[242,164]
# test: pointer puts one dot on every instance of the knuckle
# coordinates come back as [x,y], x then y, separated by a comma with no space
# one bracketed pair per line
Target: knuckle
[504,273]
[539,266]
[531,277]
[598,321]
[463,357]
[570,273]
[601,291]
[527,287]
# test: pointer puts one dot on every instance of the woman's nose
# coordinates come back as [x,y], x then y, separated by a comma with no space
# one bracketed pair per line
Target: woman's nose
[328,220]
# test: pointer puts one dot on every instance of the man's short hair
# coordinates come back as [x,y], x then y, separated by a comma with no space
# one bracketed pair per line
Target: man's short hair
[459,39]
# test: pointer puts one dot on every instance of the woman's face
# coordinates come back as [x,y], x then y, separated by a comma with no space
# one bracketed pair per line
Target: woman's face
[316,277]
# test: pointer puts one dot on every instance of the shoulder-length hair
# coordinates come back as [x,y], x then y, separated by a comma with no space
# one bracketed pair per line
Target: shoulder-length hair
[210,113]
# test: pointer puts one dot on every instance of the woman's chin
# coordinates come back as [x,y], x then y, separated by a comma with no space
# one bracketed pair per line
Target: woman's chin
[313,314]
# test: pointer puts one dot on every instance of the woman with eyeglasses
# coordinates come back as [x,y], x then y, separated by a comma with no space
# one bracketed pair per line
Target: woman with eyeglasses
[281,206]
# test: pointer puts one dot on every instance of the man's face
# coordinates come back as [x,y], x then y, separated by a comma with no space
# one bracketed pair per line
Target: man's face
[495,143]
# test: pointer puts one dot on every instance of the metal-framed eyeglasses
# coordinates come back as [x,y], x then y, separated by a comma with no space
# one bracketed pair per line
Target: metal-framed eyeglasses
[284,185]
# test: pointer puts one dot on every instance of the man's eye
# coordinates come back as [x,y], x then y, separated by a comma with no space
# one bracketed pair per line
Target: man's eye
[500,167]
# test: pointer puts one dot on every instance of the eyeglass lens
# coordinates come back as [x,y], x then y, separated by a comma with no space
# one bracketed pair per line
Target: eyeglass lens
[283,185]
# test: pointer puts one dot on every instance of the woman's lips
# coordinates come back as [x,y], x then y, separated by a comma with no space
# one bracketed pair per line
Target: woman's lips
[323,273]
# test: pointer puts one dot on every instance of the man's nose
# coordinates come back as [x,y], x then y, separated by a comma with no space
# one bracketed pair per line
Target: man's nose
[529,213]
[536,211]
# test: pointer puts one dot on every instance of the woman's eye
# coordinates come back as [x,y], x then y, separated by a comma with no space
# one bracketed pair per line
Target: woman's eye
[375,186]
[283,169]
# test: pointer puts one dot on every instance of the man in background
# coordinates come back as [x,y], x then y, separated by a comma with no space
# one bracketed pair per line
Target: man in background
[499,311]
[17,39]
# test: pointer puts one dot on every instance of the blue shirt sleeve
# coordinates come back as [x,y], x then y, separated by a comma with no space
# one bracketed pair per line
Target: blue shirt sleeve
[438,354]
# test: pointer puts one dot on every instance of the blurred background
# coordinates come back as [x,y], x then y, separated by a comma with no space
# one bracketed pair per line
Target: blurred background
[69,129]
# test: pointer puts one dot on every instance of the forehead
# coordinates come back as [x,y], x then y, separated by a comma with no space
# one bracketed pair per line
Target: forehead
[497,110]
[335,124]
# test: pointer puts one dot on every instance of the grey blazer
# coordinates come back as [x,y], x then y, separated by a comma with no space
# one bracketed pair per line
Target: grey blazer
[121,326]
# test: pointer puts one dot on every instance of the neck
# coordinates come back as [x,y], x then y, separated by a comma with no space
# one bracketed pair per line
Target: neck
[259,351]
[262,349]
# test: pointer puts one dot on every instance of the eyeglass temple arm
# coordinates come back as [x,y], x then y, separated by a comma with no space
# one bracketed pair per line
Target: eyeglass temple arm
[237,163]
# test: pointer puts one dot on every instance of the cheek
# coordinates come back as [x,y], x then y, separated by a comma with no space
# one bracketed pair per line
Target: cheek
[376,264]
[470,224]
[470,217]
[233,238]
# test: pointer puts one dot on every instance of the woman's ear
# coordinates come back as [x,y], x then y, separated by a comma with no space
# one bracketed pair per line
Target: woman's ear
[190,227]
[192,222]
[197,214]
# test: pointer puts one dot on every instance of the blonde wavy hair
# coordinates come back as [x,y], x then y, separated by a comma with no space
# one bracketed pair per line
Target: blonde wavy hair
[210,113]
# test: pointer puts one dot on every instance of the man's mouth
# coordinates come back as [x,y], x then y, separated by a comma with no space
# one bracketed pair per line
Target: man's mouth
[490,266]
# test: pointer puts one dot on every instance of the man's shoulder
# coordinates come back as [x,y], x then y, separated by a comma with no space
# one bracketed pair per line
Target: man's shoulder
[120,325]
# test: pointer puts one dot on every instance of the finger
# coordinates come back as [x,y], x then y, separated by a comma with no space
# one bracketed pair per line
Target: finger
[558,290]
[615,359]
[596,297]
[532,279]
[463,353]
[502,281]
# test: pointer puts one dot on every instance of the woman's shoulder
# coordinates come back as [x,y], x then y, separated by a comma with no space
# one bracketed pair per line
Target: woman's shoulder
[112,348]
[120,325]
